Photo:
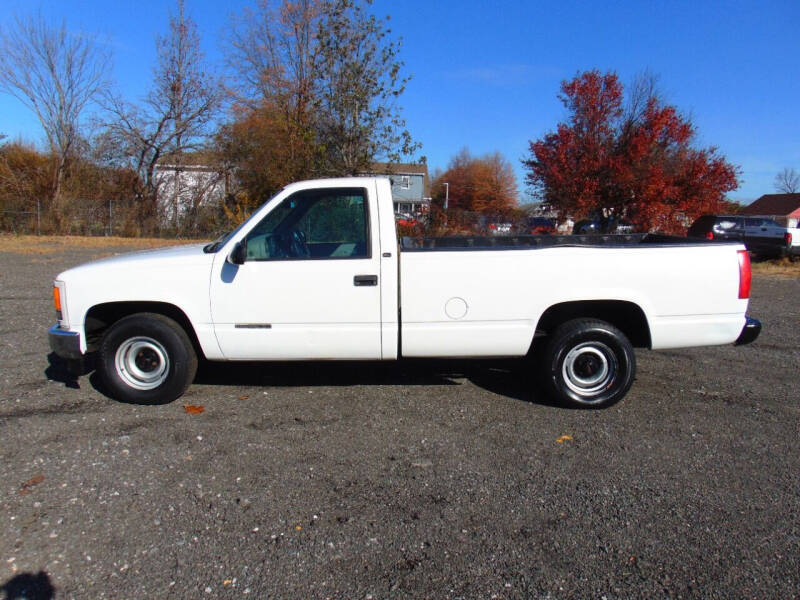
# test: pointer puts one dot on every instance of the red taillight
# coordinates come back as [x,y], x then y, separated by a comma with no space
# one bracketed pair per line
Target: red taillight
[745,276]
[787,239]
[710,235]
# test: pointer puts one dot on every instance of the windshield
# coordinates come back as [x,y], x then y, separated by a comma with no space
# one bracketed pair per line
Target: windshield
[223,239]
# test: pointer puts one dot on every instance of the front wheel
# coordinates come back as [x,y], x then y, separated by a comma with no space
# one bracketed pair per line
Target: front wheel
[588,363]
[146,358]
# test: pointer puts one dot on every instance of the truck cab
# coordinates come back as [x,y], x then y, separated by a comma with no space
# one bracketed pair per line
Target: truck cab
[317,263]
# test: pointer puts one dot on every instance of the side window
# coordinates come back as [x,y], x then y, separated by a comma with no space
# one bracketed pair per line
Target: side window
[260,237]
[314,224]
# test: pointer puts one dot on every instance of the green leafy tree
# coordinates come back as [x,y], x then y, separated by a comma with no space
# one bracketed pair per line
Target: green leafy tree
[329,73]
[359,83]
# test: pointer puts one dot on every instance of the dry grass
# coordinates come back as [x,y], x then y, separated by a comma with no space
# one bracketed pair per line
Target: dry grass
[52,244]
[779,267]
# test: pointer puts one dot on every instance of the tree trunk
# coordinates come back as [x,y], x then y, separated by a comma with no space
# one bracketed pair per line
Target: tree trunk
[56,202]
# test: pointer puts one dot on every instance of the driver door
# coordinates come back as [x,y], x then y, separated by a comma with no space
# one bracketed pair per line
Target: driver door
[309,287]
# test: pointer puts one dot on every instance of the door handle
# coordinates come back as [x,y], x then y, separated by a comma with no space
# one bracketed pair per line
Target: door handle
[362,280]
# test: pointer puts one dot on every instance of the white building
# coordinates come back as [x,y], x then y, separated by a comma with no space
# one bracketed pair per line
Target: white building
[186,183]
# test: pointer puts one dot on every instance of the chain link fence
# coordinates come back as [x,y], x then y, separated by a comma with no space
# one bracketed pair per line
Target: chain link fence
[20,221]
[99,220]
[117,218]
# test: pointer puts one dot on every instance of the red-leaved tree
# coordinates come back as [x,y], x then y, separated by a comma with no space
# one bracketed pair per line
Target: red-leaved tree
[634,160]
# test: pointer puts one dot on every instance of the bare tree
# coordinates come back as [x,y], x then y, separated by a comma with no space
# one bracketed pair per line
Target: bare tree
[274,54]
[55,74]
[174,117]
[642,94]
[787,181]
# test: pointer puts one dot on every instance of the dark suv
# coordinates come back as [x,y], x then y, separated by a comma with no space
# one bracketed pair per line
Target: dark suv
[761,235]
[541,225]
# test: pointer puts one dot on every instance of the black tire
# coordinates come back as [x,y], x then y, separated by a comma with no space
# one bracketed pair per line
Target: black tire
[146,358]
[587,363]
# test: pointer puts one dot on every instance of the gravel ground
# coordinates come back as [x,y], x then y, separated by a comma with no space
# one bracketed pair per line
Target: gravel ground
[414,480]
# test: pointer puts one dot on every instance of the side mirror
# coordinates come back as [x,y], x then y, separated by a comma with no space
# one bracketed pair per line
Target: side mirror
[239,254]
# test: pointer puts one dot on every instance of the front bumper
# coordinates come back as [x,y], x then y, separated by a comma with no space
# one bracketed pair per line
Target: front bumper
[750,331]
[67,344]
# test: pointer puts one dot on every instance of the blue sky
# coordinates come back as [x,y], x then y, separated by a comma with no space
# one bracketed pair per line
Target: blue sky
[486,74]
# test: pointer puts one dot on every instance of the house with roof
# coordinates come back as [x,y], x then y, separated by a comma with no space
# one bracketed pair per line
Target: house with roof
[784,208]
[410,186]
[186,182]
[189,181]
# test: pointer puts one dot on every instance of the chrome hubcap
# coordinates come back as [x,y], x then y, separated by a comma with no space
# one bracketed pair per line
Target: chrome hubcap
[589,368]
[142,363]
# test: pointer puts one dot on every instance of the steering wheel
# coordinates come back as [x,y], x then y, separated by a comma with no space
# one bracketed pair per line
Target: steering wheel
[299,246]
[293,244]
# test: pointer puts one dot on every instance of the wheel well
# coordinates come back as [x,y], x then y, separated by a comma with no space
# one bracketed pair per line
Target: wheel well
[625,316]
[102,316]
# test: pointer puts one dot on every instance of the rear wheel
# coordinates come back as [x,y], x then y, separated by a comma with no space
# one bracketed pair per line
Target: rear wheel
[146,358]
[587,363]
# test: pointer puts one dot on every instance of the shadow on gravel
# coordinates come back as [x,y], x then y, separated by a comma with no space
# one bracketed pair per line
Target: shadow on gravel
[503,377]
[511,381]
[498,377]
[27,586]
[64,371]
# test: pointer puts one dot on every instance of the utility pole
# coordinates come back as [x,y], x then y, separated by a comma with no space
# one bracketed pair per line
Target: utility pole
[110,217]
[446,199]
[38,217]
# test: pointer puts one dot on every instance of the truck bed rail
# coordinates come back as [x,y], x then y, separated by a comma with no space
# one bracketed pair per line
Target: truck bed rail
[516,242]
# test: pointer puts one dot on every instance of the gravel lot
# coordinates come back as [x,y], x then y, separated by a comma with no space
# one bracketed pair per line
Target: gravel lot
[396,481]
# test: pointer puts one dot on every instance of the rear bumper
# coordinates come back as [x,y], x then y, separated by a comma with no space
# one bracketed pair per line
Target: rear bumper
[750,331]
[66,344]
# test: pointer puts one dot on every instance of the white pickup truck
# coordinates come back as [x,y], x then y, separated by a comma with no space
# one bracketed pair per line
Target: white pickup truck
[317,273]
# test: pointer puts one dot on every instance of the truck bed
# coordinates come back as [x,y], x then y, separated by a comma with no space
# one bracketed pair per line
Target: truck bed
[478,295]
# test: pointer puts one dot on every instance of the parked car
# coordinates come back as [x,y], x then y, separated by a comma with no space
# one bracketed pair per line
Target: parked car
[793,241]
[760,235]
[499,228]
[541,225]
[318,273]
[596,226]
[406,220]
